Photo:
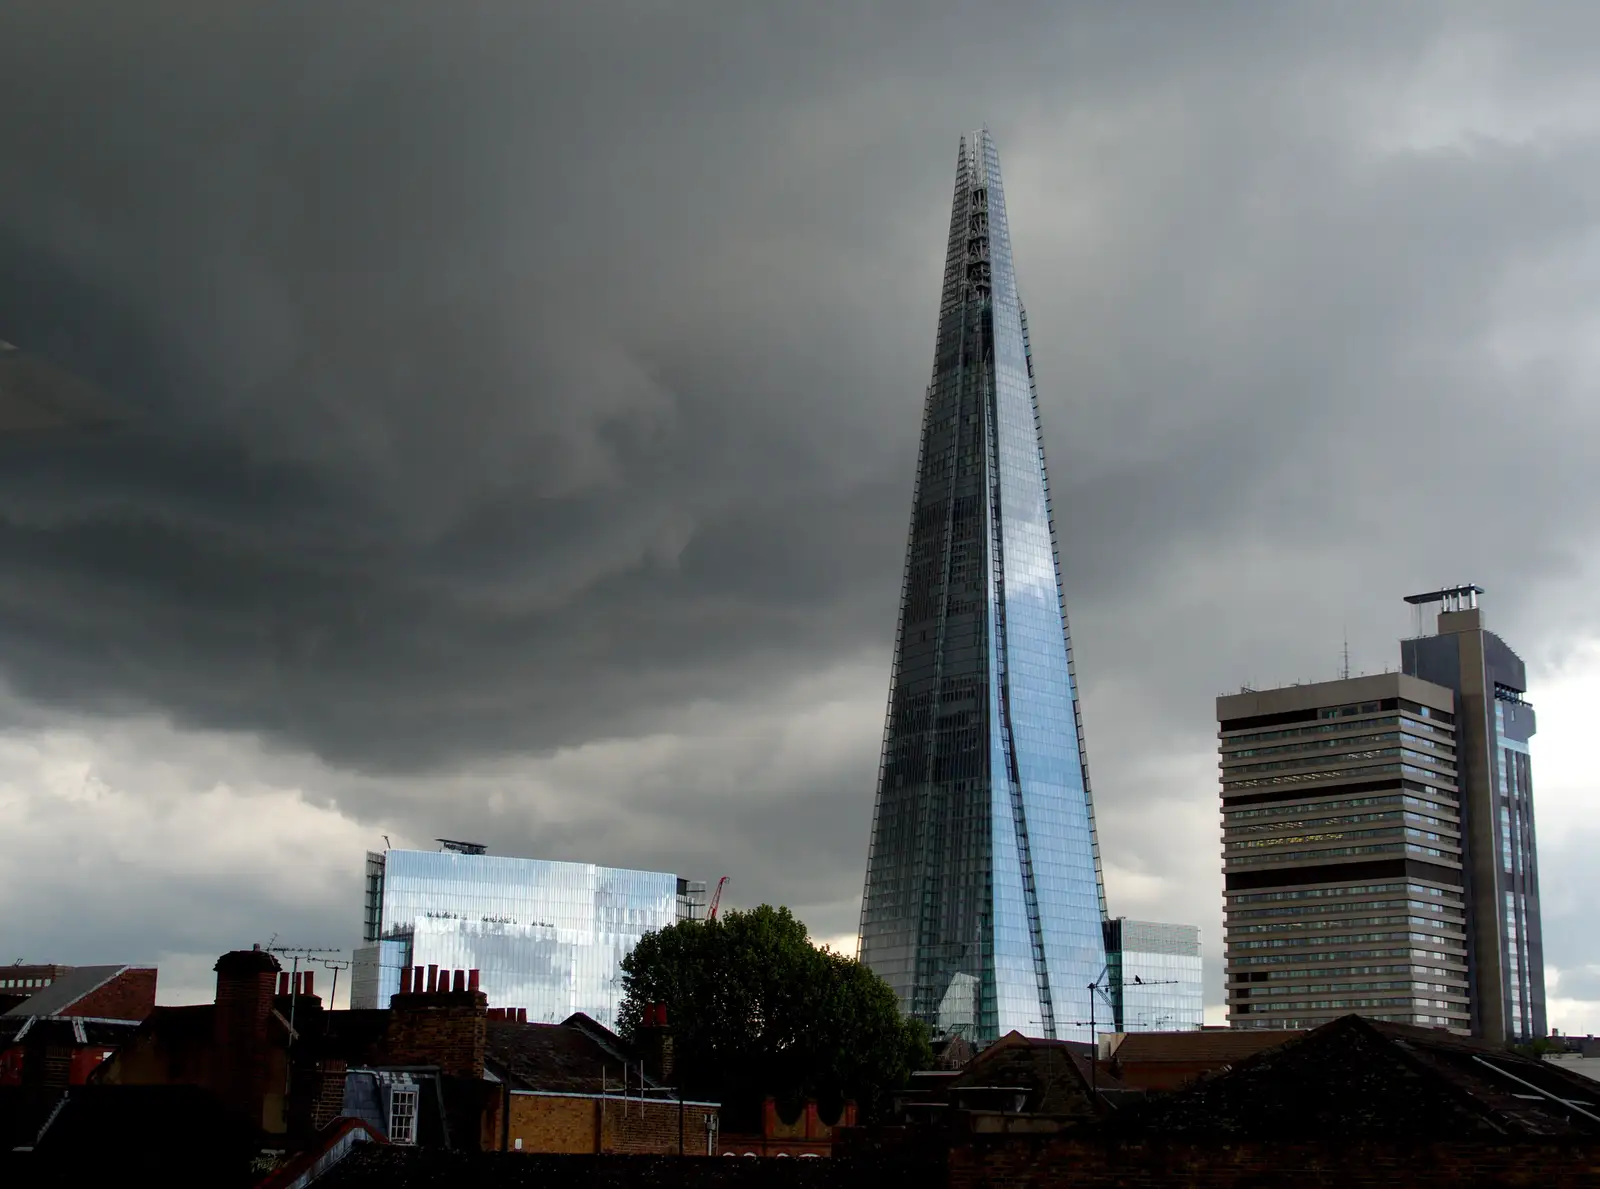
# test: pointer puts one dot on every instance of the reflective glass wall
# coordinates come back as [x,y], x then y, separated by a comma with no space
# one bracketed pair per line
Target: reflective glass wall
[1154,976]
[545,936]
[983,902]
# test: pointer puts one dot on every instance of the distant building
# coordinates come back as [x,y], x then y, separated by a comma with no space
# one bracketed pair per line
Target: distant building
[1153,976]
[64,1021]
[548,937]
[438,1069]
[1494,723]
[1378,842]
[1342,855]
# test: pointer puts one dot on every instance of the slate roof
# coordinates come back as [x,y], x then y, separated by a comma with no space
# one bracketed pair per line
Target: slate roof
[1221,1046]
[1055,1074]
[64,1030]
[576,1056]
[66,990]
[1361,1079]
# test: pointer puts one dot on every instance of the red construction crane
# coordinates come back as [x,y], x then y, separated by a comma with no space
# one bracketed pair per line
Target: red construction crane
[716,899]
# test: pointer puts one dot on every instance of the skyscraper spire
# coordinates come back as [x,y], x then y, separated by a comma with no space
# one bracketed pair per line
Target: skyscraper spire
[983,901]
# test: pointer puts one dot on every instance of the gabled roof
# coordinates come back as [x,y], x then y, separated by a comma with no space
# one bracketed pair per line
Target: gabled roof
[64,1030]
[66,990]
[1054,1074]
[1360,1079]
[577,1056]
[1221,1046]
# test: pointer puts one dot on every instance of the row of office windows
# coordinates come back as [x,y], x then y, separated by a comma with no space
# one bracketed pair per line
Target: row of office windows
[1232,816]
[1347,728]
[1282,943]
[24,984]
[1323,774]
[1307,910]
[1344,955]
[1338,923]
[1391,970]
[1384,848]
[1388,1002]
[1314,823]
[1337,893]
[1327,988]
[1369,753]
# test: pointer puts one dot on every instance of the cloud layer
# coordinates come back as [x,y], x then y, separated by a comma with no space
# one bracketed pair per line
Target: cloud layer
[526,411]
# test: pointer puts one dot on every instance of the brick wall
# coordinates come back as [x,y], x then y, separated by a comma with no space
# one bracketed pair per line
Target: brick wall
[129,996]
[551,1123]
[1046,1164]
[443,1028]
[651,1128]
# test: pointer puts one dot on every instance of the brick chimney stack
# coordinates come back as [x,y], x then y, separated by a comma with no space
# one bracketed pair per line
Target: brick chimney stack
[655,1043]
[440,1026]
[246,980]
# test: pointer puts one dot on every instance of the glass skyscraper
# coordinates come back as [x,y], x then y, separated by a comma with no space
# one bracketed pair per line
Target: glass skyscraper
[983,903]
[545,936]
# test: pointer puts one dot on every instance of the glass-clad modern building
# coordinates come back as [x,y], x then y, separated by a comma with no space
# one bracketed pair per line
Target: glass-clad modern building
[983,902]
[545,936]
[1153,976]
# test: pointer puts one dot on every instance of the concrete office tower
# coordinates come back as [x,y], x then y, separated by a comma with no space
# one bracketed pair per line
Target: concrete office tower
[1505,942]
[983,903]
[1343,854]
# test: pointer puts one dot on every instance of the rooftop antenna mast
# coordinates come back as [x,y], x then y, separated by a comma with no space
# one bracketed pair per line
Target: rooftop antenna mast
[1344,673]
[298,952]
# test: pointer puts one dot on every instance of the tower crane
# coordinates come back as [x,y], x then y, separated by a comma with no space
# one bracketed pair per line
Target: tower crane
[716,899]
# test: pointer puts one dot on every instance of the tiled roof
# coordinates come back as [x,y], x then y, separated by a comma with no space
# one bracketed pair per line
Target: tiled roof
[1220,1047]
[65,1030]
[1359,1079]
[577,1056]
[66,990]
[1056,1074]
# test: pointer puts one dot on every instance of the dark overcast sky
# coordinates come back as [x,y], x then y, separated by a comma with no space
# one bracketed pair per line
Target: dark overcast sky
[524,403]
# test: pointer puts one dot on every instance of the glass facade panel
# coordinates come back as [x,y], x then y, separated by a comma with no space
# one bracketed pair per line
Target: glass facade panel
[547,937]
[1154,976]
[983,890]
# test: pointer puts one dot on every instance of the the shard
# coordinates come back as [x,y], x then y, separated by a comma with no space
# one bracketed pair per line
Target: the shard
[983,900]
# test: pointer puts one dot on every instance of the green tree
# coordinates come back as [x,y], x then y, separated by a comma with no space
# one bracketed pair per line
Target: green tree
[756,1009]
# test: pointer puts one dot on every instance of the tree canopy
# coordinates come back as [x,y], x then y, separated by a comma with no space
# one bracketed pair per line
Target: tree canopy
[756,1009]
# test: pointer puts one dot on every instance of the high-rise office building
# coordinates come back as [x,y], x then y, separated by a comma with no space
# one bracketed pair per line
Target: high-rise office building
[1153,976]
[983,902]
[1505,941]
[1342,854]
[1378,841]
[547,937]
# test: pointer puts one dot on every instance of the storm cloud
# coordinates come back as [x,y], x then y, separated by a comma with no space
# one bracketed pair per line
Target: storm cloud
[523,408]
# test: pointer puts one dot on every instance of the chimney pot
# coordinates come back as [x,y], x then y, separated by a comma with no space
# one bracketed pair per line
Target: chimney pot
[460,981]
[417,985]
[283,982]
[433,977]
[405,980]
[661,1015]
[305,986]
[472,980]
[522,1015]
